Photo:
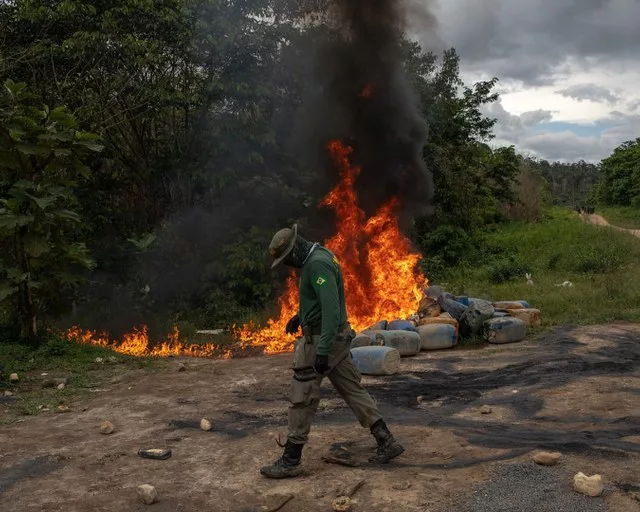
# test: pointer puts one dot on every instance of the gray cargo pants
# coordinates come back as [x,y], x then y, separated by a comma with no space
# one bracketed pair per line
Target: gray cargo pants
[305,386]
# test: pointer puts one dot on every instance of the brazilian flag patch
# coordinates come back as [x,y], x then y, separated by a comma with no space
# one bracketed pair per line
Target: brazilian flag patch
[321,280]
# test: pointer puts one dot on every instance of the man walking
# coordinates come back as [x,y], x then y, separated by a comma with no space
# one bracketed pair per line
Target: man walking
[324,350]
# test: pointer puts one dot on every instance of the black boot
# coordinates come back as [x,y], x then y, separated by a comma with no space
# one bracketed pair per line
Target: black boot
[388,447]
[286,466]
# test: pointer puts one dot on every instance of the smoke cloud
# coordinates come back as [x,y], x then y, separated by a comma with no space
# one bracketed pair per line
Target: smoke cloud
[364,99]
[348,70]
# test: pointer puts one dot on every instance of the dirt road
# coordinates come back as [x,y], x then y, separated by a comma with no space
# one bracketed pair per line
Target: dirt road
[575,391]
[599,220]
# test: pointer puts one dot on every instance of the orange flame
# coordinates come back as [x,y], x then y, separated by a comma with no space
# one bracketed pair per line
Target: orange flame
[137,343]
[379,268]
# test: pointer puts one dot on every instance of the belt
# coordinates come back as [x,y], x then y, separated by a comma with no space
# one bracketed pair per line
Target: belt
[312,330]
[316,330]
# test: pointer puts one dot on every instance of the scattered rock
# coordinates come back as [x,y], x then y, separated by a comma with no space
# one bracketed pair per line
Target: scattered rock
[113,359]
[53,383]
[106,427]
[99,360]
[147,494]
[205,425]
[182,367]
[547,458]
[401,486]
[14,377]
[64,408]
[589,485]
[485,409]
[420,399]
[8,393]
[342,504]
[635,495]
[61,386]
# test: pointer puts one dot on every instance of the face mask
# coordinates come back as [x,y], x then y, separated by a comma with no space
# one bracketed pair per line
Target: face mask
[298,255]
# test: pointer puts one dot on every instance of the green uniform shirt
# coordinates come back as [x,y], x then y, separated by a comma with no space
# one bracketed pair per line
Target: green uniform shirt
[322,303]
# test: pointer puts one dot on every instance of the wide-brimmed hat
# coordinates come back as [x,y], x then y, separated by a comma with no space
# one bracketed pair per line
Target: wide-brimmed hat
[282,244]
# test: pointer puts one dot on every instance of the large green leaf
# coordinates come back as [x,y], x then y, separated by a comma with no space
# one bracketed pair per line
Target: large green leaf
[10,221]
[36,245]
[14,88]
[91,145]
[66,214]
[144,243]
[44,202]
[27,148]
[16,275]
[7,290]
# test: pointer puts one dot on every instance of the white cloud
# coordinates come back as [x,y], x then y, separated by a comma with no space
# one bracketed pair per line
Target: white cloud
[564,61]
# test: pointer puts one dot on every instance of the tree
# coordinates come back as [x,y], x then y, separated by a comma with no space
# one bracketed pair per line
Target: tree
[472,180]
[619,182]
[41,161]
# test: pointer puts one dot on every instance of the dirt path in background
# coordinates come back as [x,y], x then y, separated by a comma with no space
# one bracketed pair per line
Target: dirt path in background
[575,390]
[599,220]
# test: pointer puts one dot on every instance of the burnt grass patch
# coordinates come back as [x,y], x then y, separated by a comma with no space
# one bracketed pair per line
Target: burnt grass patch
[554,364]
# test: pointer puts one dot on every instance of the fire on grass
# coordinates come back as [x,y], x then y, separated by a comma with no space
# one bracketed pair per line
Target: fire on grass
[137,343]
[379,268]
[380,272]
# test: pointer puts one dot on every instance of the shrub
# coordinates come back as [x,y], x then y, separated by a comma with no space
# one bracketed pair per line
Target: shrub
[508,270]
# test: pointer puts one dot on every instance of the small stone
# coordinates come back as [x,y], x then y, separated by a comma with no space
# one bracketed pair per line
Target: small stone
[342,504]
[635,495]
[547,458]
[106,427]
[112,359]
[485,409]
[182,367]
[205,425]
[63,408]
[14,377]
[99,360]
[8,393]
[420,399]
[589,485]
[147,494]
[61,386]
[401,486]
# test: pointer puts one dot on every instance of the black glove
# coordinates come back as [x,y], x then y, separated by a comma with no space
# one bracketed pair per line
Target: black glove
[293,325]
[321,364]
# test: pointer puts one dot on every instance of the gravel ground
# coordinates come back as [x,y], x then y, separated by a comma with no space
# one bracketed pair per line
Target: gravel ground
[527,487]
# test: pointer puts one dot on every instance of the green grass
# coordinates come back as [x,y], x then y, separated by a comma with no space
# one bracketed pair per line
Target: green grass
[603,265]
[58,358]
[622,216]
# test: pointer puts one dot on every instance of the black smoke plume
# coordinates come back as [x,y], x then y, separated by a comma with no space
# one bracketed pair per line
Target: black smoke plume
[346,81]
[365,100]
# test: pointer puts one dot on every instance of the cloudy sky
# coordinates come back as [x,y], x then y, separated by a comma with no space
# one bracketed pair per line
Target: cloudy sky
[569,70]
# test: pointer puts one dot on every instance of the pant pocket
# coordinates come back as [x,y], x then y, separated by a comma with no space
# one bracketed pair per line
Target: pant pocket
[302,393]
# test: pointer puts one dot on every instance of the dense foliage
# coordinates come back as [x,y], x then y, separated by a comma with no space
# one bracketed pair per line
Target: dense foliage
[151,147]
[619,183]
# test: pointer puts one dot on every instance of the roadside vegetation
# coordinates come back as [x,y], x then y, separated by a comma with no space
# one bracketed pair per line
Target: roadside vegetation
[621,216]
[602,265]
[83,367]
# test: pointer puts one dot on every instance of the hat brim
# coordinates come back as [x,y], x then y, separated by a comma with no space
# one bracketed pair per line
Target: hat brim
[289,248]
